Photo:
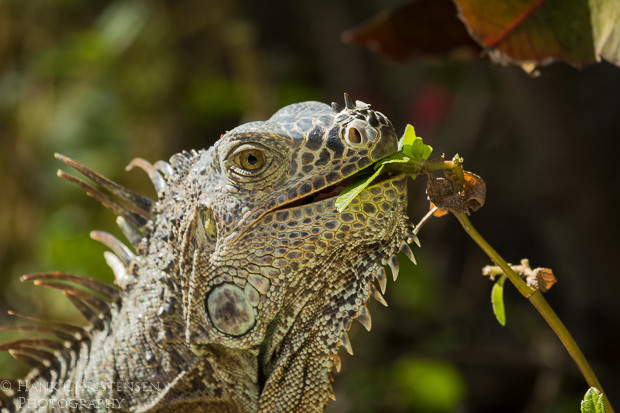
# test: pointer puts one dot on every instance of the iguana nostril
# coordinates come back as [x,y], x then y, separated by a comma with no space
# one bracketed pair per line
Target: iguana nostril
[354,136]
[230,310]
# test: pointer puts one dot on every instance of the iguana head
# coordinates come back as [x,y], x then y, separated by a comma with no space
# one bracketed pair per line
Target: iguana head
[246,277]
[263,224]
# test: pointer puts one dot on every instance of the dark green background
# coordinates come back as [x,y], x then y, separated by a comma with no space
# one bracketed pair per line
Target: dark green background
[104,82]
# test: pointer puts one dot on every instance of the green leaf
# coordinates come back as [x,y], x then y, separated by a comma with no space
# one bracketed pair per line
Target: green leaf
[354,189]
[413,146]
[497,300]
[407,139]
[411,152]
[398,157]
[593,401]
[421,151]
[358,186]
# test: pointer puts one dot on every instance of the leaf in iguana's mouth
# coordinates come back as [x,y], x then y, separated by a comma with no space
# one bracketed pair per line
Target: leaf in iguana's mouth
[411,152]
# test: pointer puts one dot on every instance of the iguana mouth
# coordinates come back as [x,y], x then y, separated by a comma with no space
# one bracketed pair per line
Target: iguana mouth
[336,189]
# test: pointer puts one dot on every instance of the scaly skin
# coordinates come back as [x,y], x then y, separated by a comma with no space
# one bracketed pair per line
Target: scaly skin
[246,277]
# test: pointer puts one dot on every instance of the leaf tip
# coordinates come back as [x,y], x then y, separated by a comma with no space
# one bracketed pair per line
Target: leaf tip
[593,401]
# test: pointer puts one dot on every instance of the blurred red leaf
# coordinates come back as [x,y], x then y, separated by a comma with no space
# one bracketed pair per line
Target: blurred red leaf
[529,32]
[524,32]
[424,27]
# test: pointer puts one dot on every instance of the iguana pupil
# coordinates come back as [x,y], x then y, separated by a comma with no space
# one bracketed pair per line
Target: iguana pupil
[251,159]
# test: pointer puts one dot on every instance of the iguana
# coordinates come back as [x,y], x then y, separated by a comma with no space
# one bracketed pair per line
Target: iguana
[244,281]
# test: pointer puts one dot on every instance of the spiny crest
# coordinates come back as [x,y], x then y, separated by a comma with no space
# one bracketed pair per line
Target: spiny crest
[137,208]
[93,299]
[349,105]
[43,354]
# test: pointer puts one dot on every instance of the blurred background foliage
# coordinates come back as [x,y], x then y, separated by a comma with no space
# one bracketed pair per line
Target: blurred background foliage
[106,81]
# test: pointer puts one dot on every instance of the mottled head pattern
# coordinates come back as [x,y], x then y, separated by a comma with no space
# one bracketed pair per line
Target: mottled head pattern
[246,277]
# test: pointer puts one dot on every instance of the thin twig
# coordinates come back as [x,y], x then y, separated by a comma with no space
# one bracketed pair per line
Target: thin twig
[541,305]
[425,219]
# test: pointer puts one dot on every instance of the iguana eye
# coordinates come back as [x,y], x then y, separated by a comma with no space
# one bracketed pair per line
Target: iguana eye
[252,163]
[251,159]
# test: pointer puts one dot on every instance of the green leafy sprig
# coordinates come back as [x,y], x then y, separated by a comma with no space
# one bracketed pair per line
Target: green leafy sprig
[410,158]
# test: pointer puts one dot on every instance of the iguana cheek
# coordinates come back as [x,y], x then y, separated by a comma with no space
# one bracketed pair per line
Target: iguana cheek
[229,310]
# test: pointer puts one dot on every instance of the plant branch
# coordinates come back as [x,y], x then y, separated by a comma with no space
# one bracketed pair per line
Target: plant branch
[416,167]
[541,305]
[425,219]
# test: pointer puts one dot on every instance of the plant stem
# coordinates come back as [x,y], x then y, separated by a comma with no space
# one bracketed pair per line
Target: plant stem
[439,164]
[541,305]
[414,168]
